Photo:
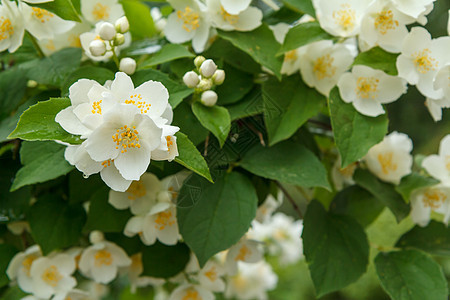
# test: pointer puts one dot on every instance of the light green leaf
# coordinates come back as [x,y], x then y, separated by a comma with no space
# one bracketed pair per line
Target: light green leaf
[335,247]
[167,53]
[177,91]
[101,75]
[411,275]
[13,84]
[62,8]
[287,162]
[288,106]
[377,58]
[213,217]
[7,252]
[55,224]
[260,44]
[141,22]
[434,239]
[190,157]
[354,133]
[384,192]
[216,119]
[38,123]
[302,6]
[42,161]
[163,261]
[303,34]
[413,181]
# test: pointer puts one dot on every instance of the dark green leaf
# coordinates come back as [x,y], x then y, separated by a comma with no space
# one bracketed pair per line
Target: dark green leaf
[251,105]
[216,119]
[163,261]
[288,107]
[303,34]
[62,8]
[354,133]
[303,6]
[287,162]
[213,217]
[183,117]
[13,83]
[335,247]
[88,72]
[411,275]
[7,252]
[377,58]
[413,181]
[384,192]
[141,22]
[90,186]
[38,123]
[236,85]
[167,53]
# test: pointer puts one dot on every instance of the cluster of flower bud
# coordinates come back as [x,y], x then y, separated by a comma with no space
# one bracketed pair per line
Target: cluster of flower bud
[204,78]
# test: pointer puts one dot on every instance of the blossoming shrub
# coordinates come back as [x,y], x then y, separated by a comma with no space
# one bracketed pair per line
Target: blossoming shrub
[149,146]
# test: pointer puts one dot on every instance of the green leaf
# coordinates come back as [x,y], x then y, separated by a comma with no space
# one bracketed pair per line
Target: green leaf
[434,239]
[357,203]
[54,69]
[303,6]
[101,75]
[213,217]
[167,53]
[190,157]
[42,161]
[183,117]
[252,104]
[377,58]
[177,91]
[163,261]
[7,252]
[335,248]
[411,182]
[62,8]
[236,85]
[90,186]
[303,34]
[259,44]
[287,162]
[384,192]
[38,123]
[103,216]
[141,22]
[288,107]
[13,84]
[353,132]
[215,118]
[411,275]
[55,224]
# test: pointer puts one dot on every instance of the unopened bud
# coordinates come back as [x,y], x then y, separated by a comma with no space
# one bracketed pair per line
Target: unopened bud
[209,98]
[119,39]
[219,77]
[191,79]
[122,25]
[127,65]
[96,237]
[32,83]
[198,61]
[205,84]
[97,48]
[208,68]
[107,31]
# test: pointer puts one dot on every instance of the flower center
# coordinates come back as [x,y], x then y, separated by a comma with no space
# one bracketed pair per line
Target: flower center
[366,87]
[6,28]
[190,19]
[387,165]
[74,41]
[385,21]
[323,67]
[126,137]
[291,55]
[96,107]
[169,141]
[447,162]
[423,61]
[164,219]
[51,276]
[136,190]
[42,14]
[192,295]
[433,198]
[348,170]
[345,17]
[227,17]
[211,274]
[100,12]
[137,101]
[103,257]
[26,263]
[244,252]
[107,163]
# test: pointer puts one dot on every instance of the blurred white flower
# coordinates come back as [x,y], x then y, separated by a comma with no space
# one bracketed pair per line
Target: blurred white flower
[74,294]
[266,209]
[413,8]
[246,20]
[438,166]
[158,19]
[134,272]
[441,82]
[342,176]
[12,26]
[191,291]
[426,200]
[235,6]
[67,39]
[246,250]
[101,10]
[20,266]
[210,277]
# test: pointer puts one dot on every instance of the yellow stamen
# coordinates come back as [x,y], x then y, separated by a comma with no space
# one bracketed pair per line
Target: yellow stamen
[191,294]
[345,17]
[433,198]
[387,163]
[366,87]
[136,190]
[244,252]
[51,276]
[101,12]
[6,28]
[164,219]
[227,17]
[42,14]
[126,137]
[323,67]
[385,21]
[190,18]
[423,61]
[103,257]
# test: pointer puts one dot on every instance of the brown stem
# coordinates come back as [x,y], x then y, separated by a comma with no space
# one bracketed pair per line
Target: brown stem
[288,196]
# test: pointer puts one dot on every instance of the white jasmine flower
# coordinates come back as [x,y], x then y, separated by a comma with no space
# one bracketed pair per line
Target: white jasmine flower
[88,38]
[20,267]
[435,107]
[18,227]
[367,89]
[266,209]
[210,275]
[421,58]
[246,20]
[158,19]
[323,63]
[438,166]
[168,148]
[342,176]
[245,250]
[412,8]
[42,23]
[67,39]
[101,10]
[135,270]
[188,22]
[441,83]
[96,291]
[11,26]
[391,159]
[341,17]
[252,281]
[426,200]
[74,294]
[235,6]
[101,261]
[51,275]
[190,291]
